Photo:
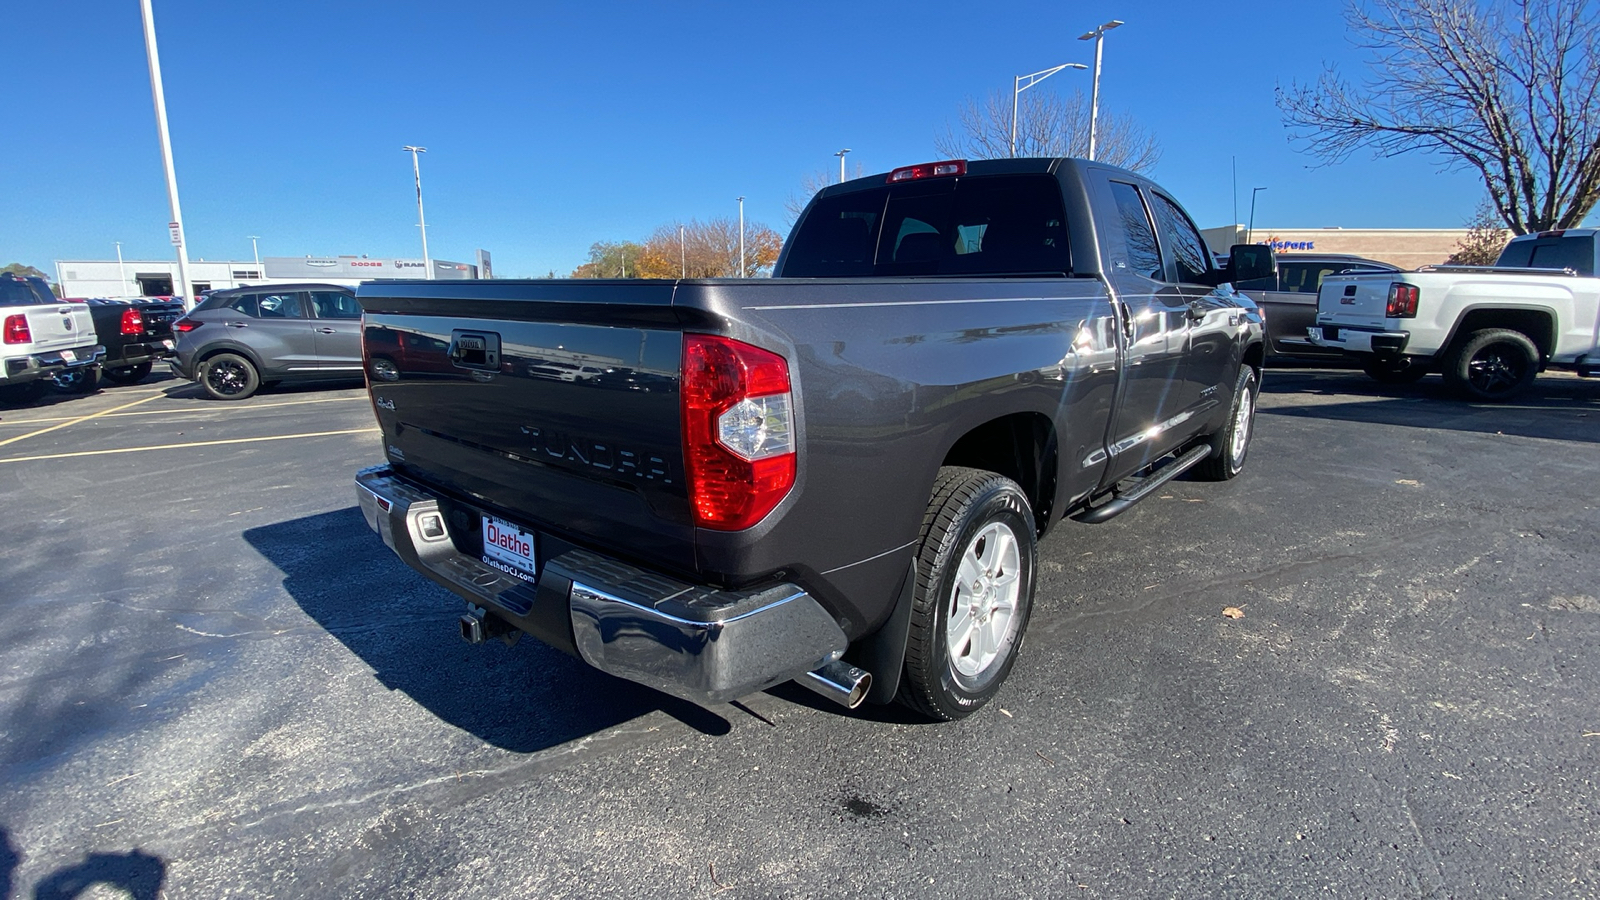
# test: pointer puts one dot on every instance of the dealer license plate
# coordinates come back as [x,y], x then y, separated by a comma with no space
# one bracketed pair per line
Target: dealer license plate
[69,356]
[508,547]
[167,344]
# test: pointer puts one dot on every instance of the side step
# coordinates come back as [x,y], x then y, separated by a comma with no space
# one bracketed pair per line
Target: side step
[1141,487]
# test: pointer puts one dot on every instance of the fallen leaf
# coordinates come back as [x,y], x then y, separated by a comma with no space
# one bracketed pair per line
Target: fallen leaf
[1006,712]
[1233,612]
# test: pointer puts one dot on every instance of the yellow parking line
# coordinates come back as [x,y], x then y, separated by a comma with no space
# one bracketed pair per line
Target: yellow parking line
[23,437]
[275,437]
[187,410]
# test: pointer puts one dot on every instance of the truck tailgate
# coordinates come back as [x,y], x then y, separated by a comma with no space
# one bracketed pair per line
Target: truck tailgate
[565,412]
[59,327]
[1354,299]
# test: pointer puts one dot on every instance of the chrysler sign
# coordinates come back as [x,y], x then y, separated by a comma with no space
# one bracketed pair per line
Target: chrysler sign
[358,268]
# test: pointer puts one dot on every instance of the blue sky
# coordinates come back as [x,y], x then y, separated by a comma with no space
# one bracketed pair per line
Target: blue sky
[553,125]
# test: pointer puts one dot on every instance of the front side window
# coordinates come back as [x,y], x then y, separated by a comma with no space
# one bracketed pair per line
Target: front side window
[1182,241]
[1139,236]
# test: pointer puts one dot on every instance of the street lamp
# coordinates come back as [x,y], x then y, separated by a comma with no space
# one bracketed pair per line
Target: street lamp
[122,273]
[1099,37]
[1017,87]
[422,223]
[255,251]
[683,255]
[175,227]
[1250,229]
[741,232]
[841,154]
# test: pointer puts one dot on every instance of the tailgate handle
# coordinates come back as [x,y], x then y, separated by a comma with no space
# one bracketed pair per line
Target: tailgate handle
[475,350]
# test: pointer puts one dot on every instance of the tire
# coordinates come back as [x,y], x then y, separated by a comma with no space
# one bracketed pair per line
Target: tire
[1394,369]
[384,369]
[127,374]
[978,531]
[82,380]
[229,376]
[1495,365]
[1231,445]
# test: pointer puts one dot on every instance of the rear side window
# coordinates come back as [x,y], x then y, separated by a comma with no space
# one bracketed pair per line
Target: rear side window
[1139,236]
[244,303]
[987,225]
[280,306]
[335,305]
[1575,253]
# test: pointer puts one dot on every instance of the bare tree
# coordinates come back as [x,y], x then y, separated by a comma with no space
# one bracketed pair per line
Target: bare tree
[1486,236]
[810,183]
[1509,88]
[1047,125]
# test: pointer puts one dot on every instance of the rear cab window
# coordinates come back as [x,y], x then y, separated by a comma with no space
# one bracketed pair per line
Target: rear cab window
[991,225]
[1575,253]
[24,292]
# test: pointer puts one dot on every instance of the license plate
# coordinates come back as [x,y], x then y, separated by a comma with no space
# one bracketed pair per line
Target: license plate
[69,356]
[167,344]
[508,547]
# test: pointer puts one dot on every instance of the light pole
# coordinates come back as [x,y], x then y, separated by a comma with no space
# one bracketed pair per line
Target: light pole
[741,232]
[841,154]
[176,225]
[122,273]
[1099,37]
[1249,231]
[422,223]
[256,252]
[1017,87]
[683,255]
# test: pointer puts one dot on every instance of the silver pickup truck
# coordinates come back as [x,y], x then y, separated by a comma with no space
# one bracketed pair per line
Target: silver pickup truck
[1488,329]
[41,336]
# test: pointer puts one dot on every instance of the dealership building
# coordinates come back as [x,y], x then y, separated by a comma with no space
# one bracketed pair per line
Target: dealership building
[1407,248]
[156,278]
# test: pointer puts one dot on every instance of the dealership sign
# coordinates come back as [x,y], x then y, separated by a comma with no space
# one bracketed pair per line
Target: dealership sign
[358,268]
[1278,243]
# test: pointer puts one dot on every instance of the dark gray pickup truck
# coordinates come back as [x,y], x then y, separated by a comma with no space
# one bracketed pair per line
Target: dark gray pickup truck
[837,475]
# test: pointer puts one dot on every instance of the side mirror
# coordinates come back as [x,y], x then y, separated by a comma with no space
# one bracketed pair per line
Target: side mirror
[1247,262]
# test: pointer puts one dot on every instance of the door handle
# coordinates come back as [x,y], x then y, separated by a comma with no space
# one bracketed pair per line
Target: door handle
[325,330]
[237,324]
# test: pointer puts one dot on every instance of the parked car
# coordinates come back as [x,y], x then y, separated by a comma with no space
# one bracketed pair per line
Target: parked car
[1289,300]
[135,332]
[238,340]
[836,475]
[41,336]
[1490,330]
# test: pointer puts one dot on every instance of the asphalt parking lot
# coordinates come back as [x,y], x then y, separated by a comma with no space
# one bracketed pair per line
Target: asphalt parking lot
[217,682]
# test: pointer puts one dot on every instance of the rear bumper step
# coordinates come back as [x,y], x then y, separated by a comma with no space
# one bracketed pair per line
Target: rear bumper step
[699,643]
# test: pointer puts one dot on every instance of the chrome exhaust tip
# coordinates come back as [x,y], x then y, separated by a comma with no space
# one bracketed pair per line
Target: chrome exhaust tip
[840,682]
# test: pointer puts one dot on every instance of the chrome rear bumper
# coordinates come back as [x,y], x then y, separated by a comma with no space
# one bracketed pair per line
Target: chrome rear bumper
[700,643]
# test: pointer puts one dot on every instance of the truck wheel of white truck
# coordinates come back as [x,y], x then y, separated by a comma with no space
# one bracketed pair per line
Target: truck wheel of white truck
[974,591]
[1494,364]
[1231,445]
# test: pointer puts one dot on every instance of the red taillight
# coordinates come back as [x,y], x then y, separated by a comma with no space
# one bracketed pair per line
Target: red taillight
[929,170]
[1402,301]
[186,325]
[17,331]
[132,322]
[738,431]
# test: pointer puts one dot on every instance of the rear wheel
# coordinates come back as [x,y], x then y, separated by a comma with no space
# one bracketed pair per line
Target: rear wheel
[1494,364]
[1394,369]
[128,374]
[974,591]
[229,376]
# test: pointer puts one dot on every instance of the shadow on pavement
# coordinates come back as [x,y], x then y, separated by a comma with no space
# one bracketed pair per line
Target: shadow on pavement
[9,857]
[523,698]
[1555,408]
[136,874]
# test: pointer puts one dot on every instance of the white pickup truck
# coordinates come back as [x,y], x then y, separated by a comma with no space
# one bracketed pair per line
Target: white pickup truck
[41,337]
[1488,329]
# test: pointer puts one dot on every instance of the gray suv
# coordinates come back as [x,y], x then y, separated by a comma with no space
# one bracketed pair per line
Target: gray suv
[1289,299]
[240,339]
